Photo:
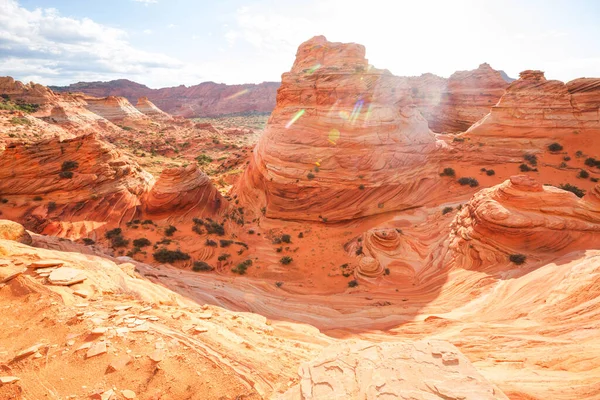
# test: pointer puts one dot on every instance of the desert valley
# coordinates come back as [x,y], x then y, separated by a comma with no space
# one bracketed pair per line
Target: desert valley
[343,234]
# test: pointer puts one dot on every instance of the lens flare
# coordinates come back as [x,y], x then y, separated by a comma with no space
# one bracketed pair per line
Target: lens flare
[313,69]
[238,94]
[295,118]
[356,112]
[334,136]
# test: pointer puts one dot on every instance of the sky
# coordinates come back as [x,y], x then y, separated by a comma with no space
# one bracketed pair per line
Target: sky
[163,43]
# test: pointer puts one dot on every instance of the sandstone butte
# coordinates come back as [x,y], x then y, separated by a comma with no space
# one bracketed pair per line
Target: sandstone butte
[379,276]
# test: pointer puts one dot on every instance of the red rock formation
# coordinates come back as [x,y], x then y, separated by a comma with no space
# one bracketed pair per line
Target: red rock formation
[454,104]
[535,107]
[184,190]
[146,107]
[205,99]
[116,109]
[520,216]
[30,92]
[85,179]
[344,141]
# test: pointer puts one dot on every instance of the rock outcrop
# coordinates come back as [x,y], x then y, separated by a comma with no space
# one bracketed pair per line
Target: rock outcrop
[535,107]
[30,92]
[184,190]
[148,108]
[204,100]
[454,104]
[116,109]
[362,370]
[344,141]
[521,216]
[81,176]
[10,230]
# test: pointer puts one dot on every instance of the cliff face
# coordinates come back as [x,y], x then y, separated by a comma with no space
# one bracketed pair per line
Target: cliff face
[536,107]
[205,99]
[344,141]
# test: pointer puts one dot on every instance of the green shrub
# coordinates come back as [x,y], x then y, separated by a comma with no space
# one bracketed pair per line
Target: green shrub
[51,206]
[386,271]
[531,159]
[490,172]
[567,158]
[225,242]
[448,172]
[170,230]
[310,175]
[211,243]
[279,284]
[468,181]
[224,257]
[113,233]
[526,168]
[286,260]
[242,267]
[301,235]
[215,227]
[169,256]
[20,121]
[201,266]
[573,189]
[517,258]
[141,242]
[583,174]
[203,159]
[65,174]
[554,147]
[119,241]
[69,165]
[38,198]
[579,154]
[285,238]
[361,186]
[592,162]
[447,210]
[353,283]
[88,241]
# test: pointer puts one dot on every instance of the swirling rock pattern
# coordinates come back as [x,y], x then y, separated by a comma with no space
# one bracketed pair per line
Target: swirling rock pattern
[368,267]
[185,189]
[362,370]
[535,107]
[520,216]
[344,141]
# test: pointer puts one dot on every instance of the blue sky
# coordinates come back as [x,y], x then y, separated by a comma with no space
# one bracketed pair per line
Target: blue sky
[171,42]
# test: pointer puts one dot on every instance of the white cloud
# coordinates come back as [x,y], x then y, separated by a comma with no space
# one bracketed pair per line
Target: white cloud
[60,50]
[146,2]
[147,31]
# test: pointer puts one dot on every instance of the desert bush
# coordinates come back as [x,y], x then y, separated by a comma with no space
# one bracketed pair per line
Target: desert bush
[554,147]
[361,186]
[310,175]
[65,174]
[583,174]
[301,235]
[592,162]
[279,284]
[170,230]
[69,166]
[490,172]
[169,256]
[203,159]
[38,198]
[224,256]
[286,260]
[242,267]
[225,242]
[468,181]
[567,158]
[285,238]
[353,283]
[113,233]
[210,243]
[51,206]
[448,172]
[447,210]
[201,266]
[88,241]
[526,168]
[531,159]
[517,258]
[119,241]
[141,242]
[573,189]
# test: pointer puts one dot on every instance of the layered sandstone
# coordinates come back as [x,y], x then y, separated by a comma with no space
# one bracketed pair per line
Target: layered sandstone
[184,190]
[454,104]
[29,92]
[85,179]
[521,216]
[536,107]
[148,108]
[115,109]
[344,141]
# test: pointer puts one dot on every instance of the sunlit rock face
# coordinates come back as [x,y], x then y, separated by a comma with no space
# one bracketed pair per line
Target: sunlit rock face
[148,108]
[536,107]
[344,141]
[116,109]
[454,104]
